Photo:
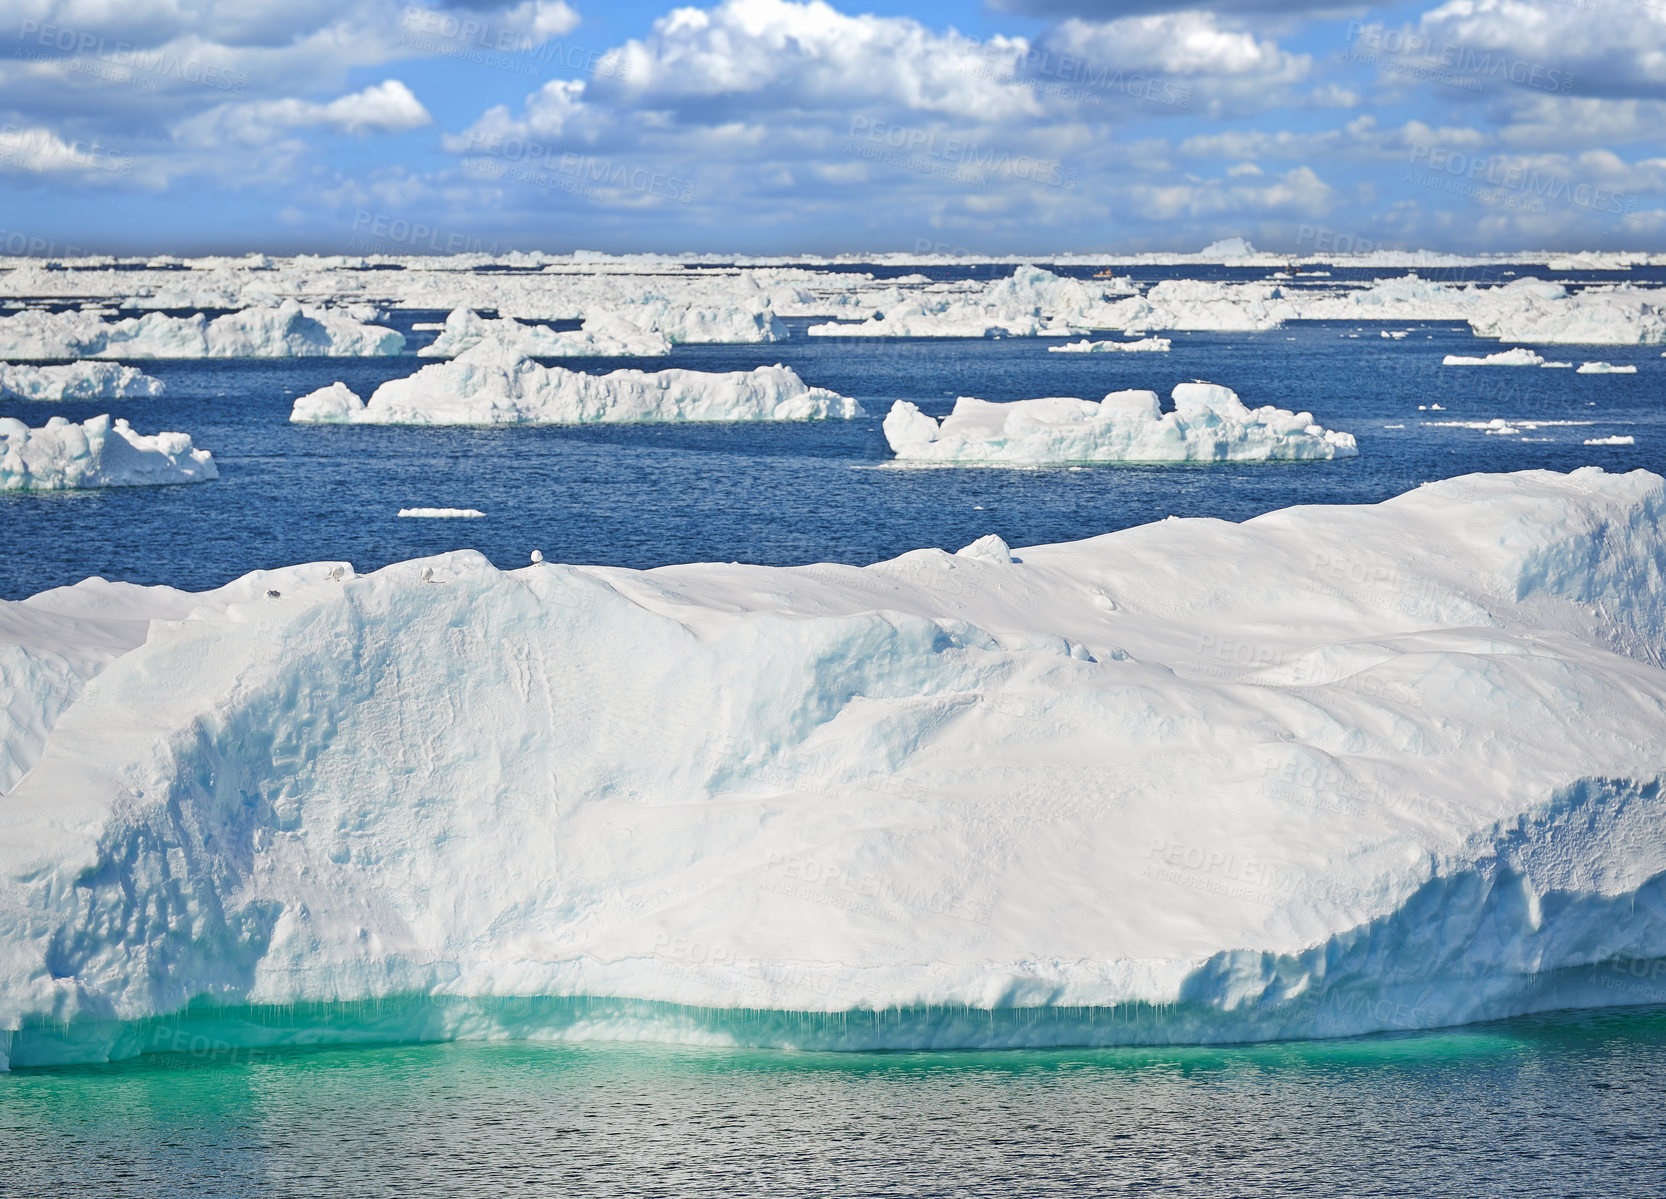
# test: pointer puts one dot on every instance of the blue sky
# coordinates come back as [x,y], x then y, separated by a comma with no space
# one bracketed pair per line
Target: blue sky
[769,126]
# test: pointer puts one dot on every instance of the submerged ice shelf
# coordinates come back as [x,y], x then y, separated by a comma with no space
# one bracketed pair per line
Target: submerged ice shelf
[1209,423]
[1331,770]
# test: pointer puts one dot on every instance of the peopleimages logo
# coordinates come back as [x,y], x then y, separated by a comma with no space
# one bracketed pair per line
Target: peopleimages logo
[1462,61]
[55,40]
[1443,168]
[957,149]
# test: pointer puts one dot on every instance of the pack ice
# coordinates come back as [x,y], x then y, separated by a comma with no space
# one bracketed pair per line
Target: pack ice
[490,385]
[96,453]
[286,331]
[1331,770]
[1209,423]
[76,381]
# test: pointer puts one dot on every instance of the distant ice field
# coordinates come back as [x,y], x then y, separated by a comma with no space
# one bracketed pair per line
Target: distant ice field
[644,495]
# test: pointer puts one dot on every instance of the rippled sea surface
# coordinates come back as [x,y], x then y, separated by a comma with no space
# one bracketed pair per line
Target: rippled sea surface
[1554,1106]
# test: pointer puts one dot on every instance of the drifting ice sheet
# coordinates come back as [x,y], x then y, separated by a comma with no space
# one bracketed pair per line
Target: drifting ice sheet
[1331,770]
[64,455]
[287,331]
[76,381]
[463,330]
[1209,424]
[487,386]
[1145,344]
[1515,357]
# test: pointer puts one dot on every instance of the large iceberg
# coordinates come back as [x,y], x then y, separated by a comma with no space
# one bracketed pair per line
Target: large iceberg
[1329,771]
[1209,423]
[491,386]
[96,453]
[76,381]
[465,329]
[286,331]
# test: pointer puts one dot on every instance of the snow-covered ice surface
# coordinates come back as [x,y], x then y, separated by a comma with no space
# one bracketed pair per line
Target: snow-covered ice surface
[490,386]
[288,330]
[1515,357]
[96,453]
[463,330]
[1209,423]
[76,381]
[1332,770]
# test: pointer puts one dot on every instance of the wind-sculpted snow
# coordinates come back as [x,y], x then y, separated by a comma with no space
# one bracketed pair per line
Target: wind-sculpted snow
[489,386]
[287,331]
[464,330]
[1208,424]
[96,453]
[1328,771]
[76,381]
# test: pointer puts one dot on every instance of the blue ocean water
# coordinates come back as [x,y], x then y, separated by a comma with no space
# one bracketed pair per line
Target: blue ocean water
[647,495]
[1553,1106]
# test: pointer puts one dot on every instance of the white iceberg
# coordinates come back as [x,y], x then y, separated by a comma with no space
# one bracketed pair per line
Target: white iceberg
[96,453]
[488,386]
[1617,439]
[1159,345]
[464,329]
[442,513]
[1209,424]
[286,331]
[1328,771]
[76,381]
[1604,368]
[1515,357]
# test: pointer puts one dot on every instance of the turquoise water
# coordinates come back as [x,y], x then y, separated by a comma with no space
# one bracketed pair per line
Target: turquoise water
[1560,1105]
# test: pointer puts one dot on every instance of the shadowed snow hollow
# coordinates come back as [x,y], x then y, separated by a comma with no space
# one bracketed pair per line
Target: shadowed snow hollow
[1327,771]
[1209,424]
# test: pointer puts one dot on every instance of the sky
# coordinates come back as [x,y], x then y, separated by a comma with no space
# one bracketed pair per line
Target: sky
[780,127]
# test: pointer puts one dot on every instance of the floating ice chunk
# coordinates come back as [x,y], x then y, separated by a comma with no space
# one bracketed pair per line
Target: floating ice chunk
[1324,772]
[488,386]
[1605,368]
[1515,357]
[76,381]
[1617,439]
[442,513]
[1145,344]
[96,453]
[463,330]
[1209,424]
[286,331]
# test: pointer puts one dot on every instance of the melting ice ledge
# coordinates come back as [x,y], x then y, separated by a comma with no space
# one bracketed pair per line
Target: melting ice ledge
[1329,771]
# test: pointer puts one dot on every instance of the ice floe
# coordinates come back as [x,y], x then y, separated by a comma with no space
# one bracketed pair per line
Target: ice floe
[76,381]
[96,453]
[1209,423]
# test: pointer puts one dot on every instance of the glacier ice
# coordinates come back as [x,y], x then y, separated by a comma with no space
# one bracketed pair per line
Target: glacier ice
[96,453]
[1330,770]
[1209,423]
[488,385]
[286,331]
[76,381]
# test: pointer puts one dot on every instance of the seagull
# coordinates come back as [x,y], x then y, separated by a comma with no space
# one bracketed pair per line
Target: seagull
[537,557]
